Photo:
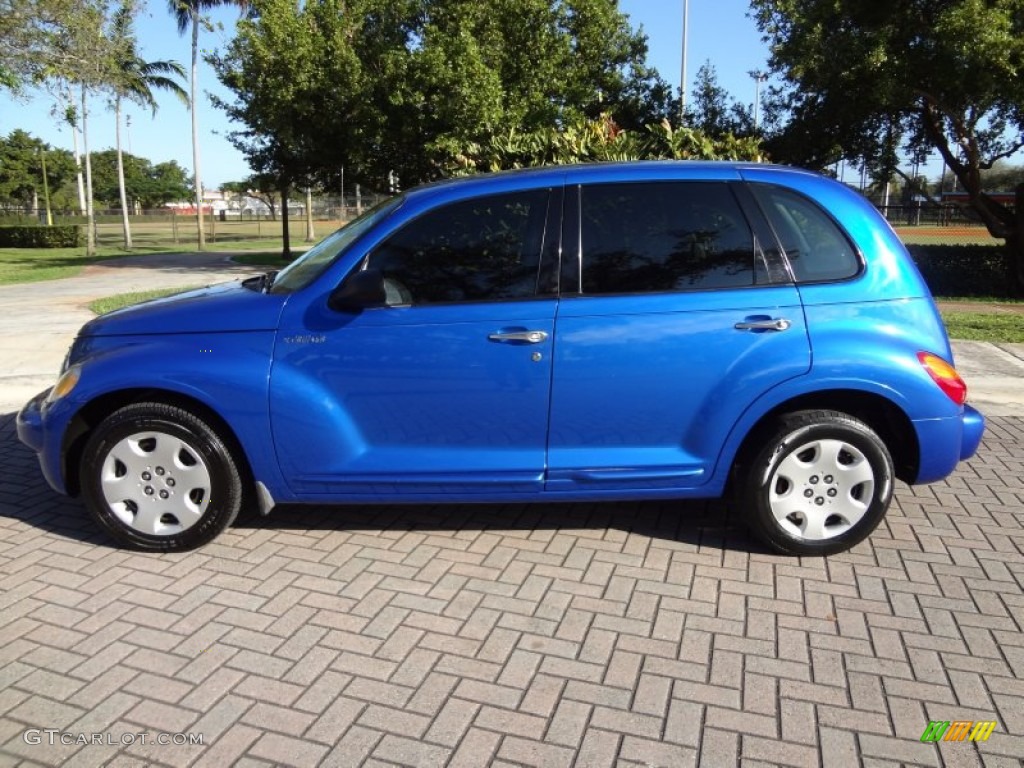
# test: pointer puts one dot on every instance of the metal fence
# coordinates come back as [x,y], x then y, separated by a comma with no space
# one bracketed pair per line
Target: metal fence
[930,214]
[166,226]
[915,222]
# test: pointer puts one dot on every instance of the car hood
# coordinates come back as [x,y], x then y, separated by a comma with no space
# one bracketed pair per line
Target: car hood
[223,308]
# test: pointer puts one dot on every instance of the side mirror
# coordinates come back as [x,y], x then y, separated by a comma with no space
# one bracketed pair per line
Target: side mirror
[359,291]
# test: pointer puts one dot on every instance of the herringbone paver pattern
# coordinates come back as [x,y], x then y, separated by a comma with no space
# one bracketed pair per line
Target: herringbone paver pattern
[578,635]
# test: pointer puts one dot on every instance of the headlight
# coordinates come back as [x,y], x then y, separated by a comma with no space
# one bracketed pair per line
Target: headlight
[65,383]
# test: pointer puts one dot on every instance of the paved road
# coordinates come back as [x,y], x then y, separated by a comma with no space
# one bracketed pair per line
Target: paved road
[564,635]
[38,321]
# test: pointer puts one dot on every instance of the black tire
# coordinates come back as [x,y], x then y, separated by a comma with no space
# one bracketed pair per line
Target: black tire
[811,474]
[159,478]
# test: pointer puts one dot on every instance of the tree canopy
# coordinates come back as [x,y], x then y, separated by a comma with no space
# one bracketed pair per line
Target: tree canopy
[150,184]
[866,79]
[407,85]
[712,110]
[21,168]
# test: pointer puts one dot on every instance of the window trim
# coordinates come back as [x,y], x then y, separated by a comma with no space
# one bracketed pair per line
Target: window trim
[755,188]
[535,296]
[733,186]
[571,268]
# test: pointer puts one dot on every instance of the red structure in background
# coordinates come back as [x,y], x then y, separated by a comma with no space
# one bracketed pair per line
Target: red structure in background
[190,210]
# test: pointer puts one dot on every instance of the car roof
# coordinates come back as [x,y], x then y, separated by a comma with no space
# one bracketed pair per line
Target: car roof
[600,171]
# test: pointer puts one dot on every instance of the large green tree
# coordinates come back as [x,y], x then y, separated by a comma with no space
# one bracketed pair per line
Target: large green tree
[80,56]
[401,85]
[148,184]
[869,79]
[22,157]
[28,32]
[712,110]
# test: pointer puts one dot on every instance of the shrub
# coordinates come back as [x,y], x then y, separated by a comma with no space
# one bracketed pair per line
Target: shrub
[965,270]
[65,236]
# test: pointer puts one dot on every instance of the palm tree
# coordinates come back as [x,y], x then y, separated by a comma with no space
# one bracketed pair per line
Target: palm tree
[135,80]
[188,13]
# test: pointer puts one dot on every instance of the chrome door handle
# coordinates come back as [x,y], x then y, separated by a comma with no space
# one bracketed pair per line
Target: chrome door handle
[779,324]
[524,337]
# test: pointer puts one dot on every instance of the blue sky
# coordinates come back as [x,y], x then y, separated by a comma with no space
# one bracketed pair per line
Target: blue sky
[719,30]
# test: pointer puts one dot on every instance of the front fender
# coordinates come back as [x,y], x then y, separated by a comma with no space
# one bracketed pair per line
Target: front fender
[228,373]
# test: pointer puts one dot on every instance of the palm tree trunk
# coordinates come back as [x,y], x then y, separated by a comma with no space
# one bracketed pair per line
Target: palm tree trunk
[78,169]
[195,130]
[90,224]
[125,225]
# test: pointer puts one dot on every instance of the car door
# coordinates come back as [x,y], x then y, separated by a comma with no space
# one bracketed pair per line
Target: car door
[445,388]
[672,321]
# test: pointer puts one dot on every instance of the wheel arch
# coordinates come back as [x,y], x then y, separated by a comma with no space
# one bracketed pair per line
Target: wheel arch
[883,416]
[96,410]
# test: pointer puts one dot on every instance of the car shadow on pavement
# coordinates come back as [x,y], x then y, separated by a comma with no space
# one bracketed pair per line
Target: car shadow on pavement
[186,263]
[26,498]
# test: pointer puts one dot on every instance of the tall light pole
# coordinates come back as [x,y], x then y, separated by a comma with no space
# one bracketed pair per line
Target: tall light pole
[759,77]
[682,78]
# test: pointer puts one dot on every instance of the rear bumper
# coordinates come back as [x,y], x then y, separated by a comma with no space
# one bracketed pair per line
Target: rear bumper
[943,443]
[973,429]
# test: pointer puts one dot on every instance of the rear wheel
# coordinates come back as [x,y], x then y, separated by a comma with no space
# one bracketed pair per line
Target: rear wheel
[820,483]
[157,477]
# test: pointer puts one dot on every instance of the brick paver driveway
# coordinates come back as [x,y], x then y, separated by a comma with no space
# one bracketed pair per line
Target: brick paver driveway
[642,634]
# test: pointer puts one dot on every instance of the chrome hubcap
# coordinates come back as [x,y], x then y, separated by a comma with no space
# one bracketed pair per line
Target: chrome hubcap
[156,483]
[821,489]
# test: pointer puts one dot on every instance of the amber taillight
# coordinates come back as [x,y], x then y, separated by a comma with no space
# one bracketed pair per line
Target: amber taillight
[945,376]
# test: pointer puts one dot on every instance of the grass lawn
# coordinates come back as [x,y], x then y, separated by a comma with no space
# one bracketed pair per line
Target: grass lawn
[975,326]
[110,303]
[979,299]
[28,265]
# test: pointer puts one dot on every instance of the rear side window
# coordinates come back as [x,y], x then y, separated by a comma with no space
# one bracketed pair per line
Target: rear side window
[815,246]
[664,236]
[482,249]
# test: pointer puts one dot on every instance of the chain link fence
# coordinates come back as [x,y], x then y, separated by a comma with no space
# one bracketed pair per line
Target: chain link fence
[224,222]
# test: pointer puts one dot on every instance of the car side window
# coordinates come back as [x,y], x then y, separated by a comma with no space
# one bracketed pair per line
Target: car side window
[664,236]
[481,249]
[816,248]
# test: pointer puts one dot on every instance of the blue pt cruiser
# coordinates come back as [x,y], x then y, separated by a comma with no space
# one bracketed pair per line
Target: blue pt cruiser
[623,331]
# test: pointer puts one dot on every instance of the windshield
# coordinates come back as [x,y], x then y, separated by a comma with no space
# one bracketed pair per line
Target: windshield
[313,262]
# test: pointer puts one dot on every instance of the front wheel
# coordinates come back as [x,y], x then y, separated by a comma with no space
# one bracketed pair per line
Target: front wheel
[820,484]
[157,477]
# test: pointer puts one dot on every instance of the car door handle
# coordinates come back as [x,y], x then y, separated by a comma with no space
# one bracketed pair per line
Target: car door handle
[768,324]
[522,337]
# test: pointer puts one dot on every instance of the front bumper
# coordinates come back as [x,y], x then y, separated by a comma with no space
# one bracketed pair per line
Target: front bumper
[32,424]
